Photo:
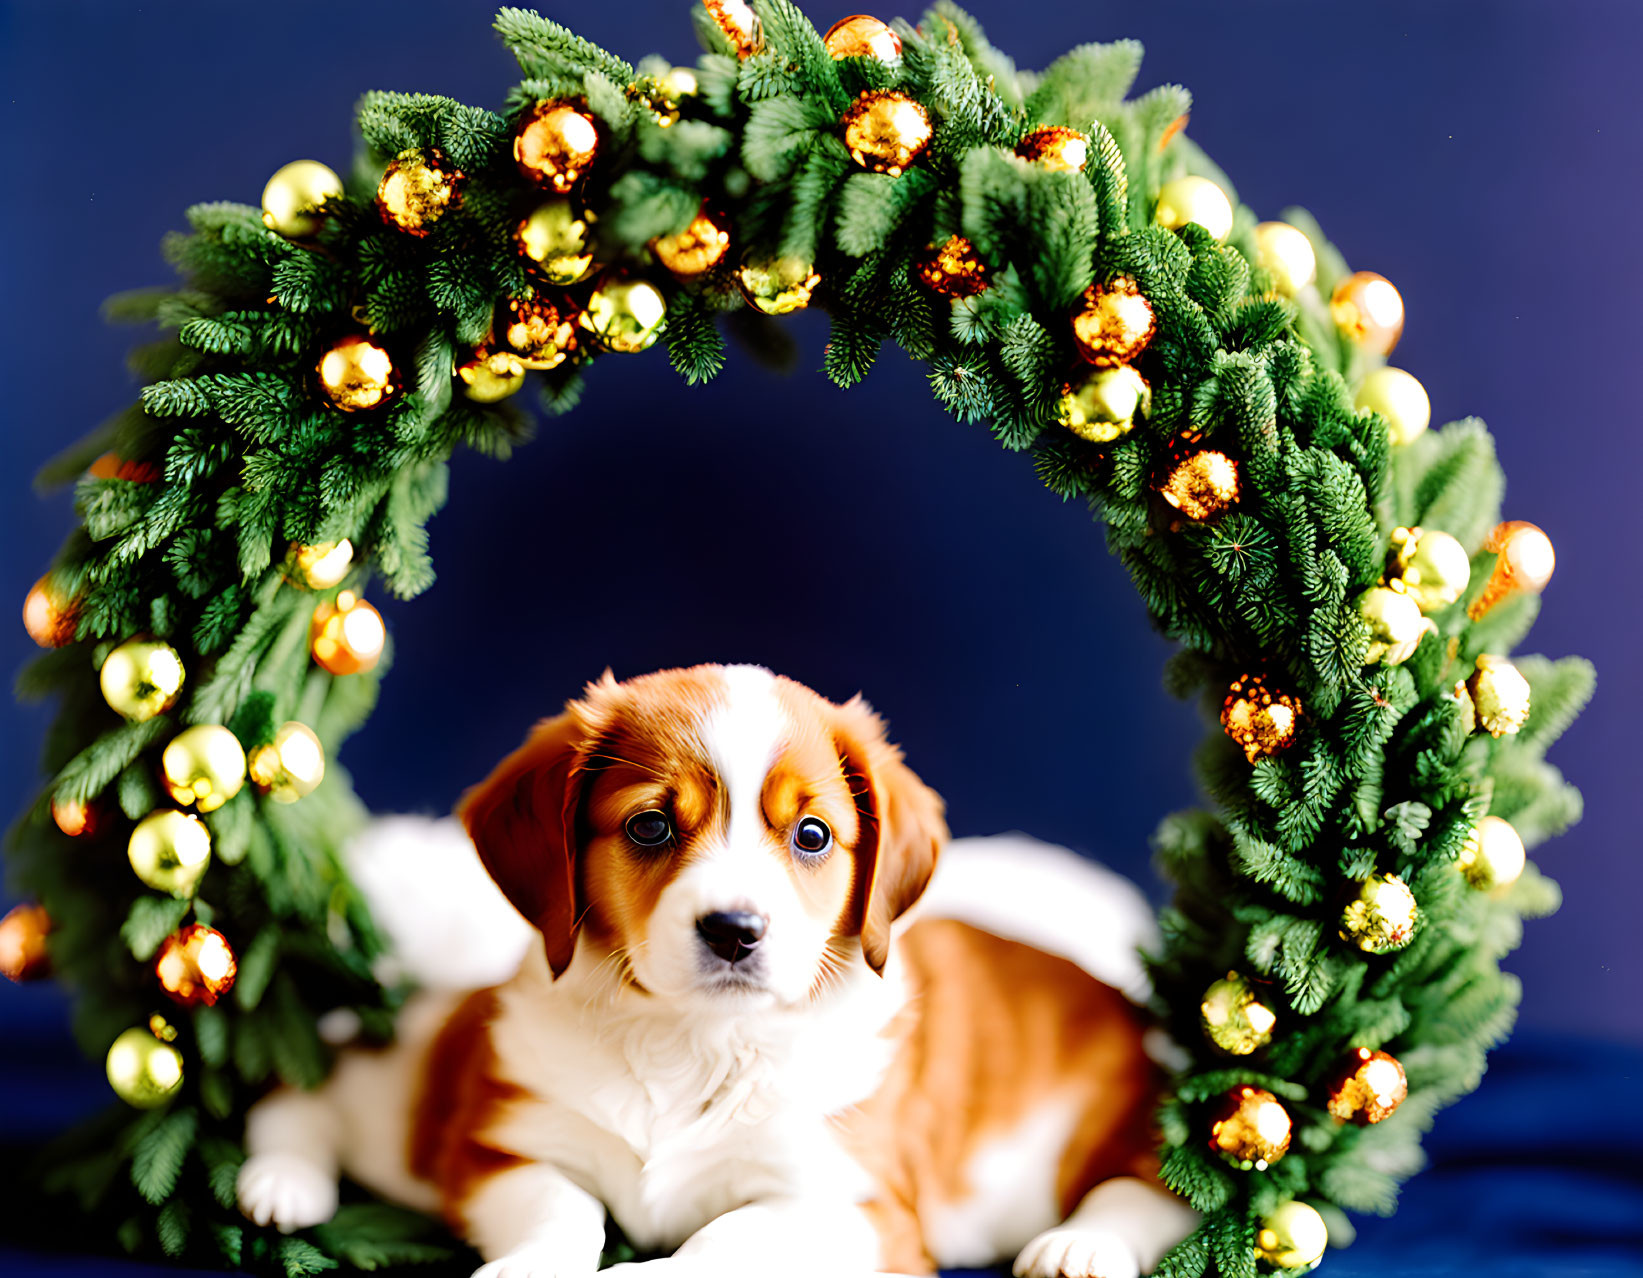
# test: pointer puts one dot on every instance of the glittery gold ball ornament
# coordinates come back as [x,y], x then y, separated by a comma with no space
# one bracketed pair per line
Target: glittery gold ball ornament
[141,678]
[554,144]
[555,237]
[356,374]
[860,36]
[625,314]
[1055,147]
[1233,1018]
[1524,560]
[75,817]
[1293,1236]
[540,332]
[1368,1088]
[50,615]
[1260,720]
[1500,696]
[291,765]
[695,250]
[886,130]
[1369,311]
[655,95]
[739,24]
[23,932]
[1493,857]
[1429,566]
[778,286]
[489,376]
[143,1071]
[418,188]
[1395,623]
[1399,399]
[195,966]
[953,269]
[1202,485]
[320,565]
[293,202]
[1194,199]
[1285,251]
[1116,322]
[1251,1129]
[347,637]
[203,766]
[169,851]
[1381,917]
[1103,405]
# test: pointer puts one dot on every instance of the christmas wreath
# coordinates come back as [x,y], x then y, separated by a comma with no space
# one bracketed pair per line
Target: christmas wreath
[1078,277]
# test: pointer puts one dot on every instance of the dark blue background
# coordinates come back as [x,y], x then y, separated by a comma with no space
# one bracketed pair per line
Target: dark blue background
[1484,156]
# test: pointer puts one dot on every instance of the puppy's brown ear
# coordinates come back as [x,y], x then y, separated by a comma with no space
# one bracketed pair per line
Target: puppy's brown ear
[902,831]
[522,819]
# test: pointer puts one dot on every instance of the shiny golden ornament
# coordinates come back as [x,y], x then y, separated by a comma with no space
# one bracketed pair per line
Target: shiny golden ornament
[319,566]
[141,678]
[1399,399]
[1286,252]
[291,766]
[695,250]
[356,374]
[491,376]
[555,237]
[952,270]
[1251,1129]
[541,333]
[655,95]
[1368,1089]
[75,817]
[1396,626]
[347,637]
[293,202]
[1116,323]
[1057,148]
[1202,485]
[203,767]
[50,614]
[886,130]
[1261,721]
[779,286]
[1294,1236]
[1233,1018]
[1429,566]
[23,955]
[739,24]
[418,188]
[1194,199]
[625,315]
[1500,696]
[861,36]
[1524,561]
[681,82]
[170,851]
[195,966]
[555,143]
[143,1071]
[1104,404]
[1493,857]
[1369,311]
[1382,916]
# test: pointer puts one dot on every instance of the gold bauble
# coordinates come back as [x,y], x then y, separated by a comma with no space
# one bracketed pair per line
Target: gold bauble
[23,955]
[203,766]
[291,765]
[886,130]
[356,374]
[1116,322]
[1260,720]
[293,202]
[143,1071]
[1396,626]
[1233,1018]
[625,314]
[1400,400]
[1369,311]
[169,851]
[1524,561]
[1382,916]
[141,678]
[75,817]
[1103,405]
[418,188]
[1368,1088]
[554,143]
[1055,147]
[695,250]
[657,96]
[555,237]
[739,24]
[1251,1129]
[1493,857]
[195,966]
[778,286]
[1286,252]
[1194,199]
[1202,485]
[860,36]
[1429,566]
[320,565]
[1500,696]
[681,82]
[490,376]
[541,333]
[347,637]
[953,269]
[50,615]
[1293,1236]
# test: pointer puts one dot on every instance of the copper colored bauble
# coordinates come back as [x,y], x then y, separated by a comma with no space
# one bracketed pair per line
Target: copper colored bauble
[1493,857]
[169,851]
[490,376]
[1500,696]
[347,637]
[1116,322]
[1396,626]
[418,188]
[291,765]
[113,466]
[141,678]
[1369,311]
[144,1071]
[195,966]
[23,954]
[625,314]
[320,565]
[886,130]
[541,333]
[1381,917]
[779,286]
[860,36]
[1233,1018]
[1524,560]
[952,270]
[739,24]
[75,817]
[1429,566]
[554,144]
[1400,400]
[695,250]
[555,237]
[1202,485]
[1370,1087]
[1251,1129]
[1293,1236]
[1194,199]
[1055,147]
[1103,405]
[1286,252]
[50,615]
[356,374]
[1261,721]
[293,202]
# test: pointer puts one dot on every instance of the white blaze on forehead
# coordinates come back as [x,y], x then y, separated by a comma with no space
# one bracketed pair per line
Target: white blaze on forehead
[743,734]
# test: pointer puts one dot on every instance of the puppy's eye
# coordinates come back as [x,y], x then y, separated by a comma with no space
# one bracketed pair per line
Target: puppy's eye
[812,838]
[650,829]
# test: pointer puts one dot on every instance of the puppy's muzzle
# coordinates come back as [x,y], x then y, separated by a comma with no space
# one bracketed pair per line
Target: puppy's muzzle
[732,935]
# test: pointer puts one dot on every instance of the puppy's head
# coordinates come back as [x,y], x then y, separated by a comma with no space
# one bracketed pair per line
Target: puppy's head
[724,834]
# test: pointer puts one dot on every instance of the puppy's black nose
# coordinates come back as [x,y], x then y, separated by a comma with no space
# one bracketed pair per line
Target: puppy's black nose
[731,935]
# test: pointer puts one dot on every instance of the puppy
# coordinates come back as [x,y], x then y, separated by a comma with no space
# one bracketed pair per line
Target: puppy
[722,1040]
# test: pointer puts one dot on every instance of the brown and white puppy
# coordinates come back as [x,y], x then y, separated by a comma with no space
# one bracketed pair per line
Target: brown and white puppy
[722,1040]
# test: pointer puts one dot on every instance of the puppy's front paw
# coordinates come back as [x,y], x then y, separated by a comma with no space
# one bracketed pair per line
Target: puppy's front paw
[286,1191]
[1077,1252]
[541,1261]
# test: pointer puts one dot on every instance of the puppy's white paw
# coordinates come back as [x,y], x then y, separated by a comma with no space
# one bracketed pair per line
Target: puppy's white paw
[286,1191]
[540,1261]
[1074,1251]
